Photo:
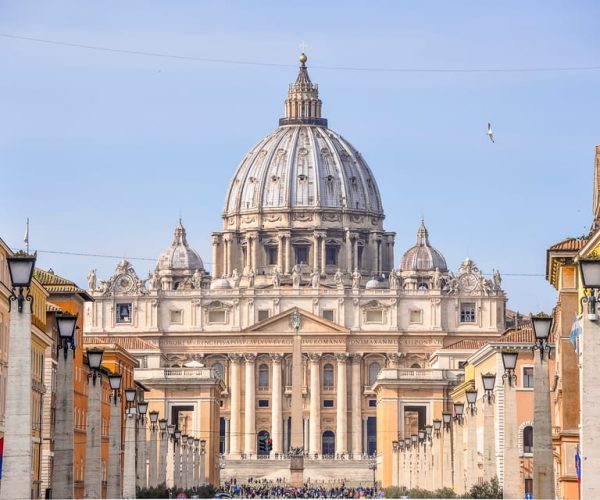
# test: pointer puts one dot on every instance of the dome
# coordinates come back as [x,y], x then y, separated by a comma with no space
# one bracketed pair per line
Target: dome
[373,283]
[179,256]
[303,164]
[423,257]
[220,284]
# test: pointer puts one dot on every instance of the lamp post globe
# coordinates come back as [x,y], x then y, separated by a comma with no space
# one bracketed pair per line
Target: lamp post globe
[142,408]
[65,324]
[162,424]
[115,380]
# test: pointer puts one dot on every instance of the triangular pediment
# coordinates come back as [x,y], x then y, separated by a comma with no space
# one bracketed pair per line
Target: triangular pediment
[311,323]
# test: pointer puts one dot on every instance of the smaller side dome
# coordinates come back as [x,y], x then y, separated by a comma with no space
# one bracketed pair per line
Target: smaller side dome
[179,256]
[423,257]
[220,284]
[373,283]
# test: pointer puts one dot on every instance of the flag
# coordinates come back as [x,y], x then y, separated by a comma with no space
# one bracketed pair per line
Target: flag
[578,464]
[576,332]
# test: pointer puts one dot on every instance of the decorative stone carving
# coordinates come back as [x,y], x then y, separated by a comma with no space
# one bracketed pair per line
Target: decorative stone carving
[356,277]
[276,278]
[124,282]
[338,278]
[315,278]
[342,357]
[296,277]
[277,358]
[251,276]
[302,217]
[91,277]
[249,357]
[235,278]
[197,279]
[315,357]
[331,217]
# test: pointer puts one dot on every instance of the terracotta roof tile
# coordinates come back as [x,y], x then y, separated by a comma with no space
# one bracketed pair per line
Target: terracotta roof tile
[57,284]
[50,307]
[127,343]
[467,344]
[569,244]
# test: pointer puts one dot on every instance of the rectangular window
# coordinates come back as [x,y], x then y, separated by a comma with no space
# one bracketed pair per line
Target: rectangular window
[177,317]
[216,316]
[416,316]
[301,255]
[272,256]
[372,403]
[263,314]
[529,485]
[124,313]
[467,312]
[328,403]
[461,364]
[328,314]
[331,253]
[528,377]
[263,403]
[374,317]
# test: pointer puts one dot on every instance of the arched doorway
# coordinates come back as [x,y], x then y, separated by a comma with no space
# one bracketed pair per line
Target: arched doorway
[328,443]
[264,444]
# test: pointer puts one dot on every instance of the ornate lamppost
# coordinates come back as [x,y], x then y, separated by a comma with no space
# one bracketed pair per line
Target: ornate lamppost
[488,381]
[142,409]
[153,450]
[129,475]
[162,451]
[113,489]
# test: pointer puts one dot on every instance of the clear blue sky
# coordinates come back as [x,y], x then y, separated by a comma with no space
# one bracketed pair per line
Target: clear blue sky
[103,151]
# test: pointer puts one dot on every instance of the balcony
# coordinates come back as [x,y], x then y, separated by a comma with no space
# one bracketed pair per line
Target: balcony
[288,390]
[178,375]
[422,374]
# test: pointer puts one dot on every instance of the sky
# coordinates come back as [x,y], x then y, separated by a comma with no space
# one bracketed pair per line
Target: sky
[105,150]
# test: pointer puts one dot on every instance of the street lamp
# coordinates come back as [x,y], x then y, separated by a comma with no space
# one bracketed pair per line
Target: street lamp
[459,409]
[488,380]
[115,384]
[142,408]
[177,435]
[446,419]
[407,442]
[373,467]
[171,431]
[542,325]
[590,277]
[20,268]
[428,431]
[130,394]
[153,419]
[509,360]
[437,426]
[162,425]
[65,324]
[94,361]
[414,439]
[471,395]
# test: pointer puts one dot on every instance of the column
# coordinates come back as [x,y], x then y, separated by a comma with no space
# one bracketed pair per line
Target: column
[364,435]
[543,467]
[215,257]
[162,458]
[315,248]
[288,251]
[16,473]
[194,467]
[341,436]
[227,436]
[459,459]
[253,263]
[323,252]
[62,472]
[472,468]
[286,437]
[184,464]
[306,433]
[152,458]
[250,407]
[297,409]
[276,405]
[395,456]
[436,461]
[224,254]
[280,253]
[355,252]
[93,452]
[177,464]
[202,466]
[113,487]
[141,454]
[129,457]
[356,405]
[589,438]
[348,254]
[512,473]
[170,467]
[489,442]
[447,466]
[235,396]
[314,443]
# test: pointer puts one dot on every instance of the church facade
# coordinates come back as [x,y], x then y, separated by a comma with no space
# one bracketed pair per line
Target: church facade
[302,231]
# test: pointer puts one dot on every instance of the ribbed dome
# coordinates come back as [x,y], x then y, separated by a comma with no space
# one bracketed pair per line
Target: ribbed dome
[179,256]
[423,257]
[303,164]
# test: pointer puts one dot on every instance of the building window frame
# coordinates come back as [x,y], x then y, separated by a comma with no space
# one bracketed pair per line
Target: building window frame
[527,380]
[415,316]
[176,316]
[331,255]
[328,377]
[468,313]
[123,312]
[263,376]
[328,314]
[301,252]
[272,254]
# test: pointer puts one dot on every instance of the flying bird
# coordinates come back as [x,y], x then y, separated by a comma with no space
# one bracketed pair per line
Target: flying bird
[490,133]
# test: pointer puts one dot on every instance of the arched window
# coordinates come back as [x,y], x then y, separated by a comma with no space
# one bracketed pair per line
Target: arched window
[415,365]
[263,376]
[373,372]
[328,376]
[528,439]
[218,367]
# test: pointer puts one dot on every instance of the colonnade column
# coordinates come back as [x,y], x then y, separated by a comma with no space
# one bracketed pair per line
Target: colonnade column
[356,406]
[215,257]
[489,441]
[447,480]
[315,404]
[93,452]
[280,252]
[315,251]
[162,457]
[113,487]
[152,458]
[306,433]
[459,459]
[348,253]
[511,482]
[129,457]
[472,466]
[227,436]
[323,252]
[235,396]
[341,438]
[288,251]
[276,405]
[249,406]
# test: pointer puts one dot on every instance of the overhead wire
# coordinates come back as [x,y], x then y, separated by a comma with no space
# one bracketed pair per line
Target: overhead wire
[380,69]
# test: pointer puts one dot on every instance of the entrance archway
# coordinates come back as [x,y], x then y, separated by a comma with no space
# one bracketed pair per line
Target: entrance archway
[328,443]
[263,444]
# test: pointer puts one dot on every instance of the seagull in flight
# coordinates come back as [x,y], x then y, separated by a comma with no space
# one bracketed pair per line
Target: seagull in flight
[490,133]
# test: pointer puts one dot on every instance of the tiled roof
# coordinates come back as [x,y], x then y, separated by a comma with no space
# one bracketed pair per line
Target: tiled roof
[57,284]
[127,343]
[569,244]
[468,344]
[50,307]
[522,334]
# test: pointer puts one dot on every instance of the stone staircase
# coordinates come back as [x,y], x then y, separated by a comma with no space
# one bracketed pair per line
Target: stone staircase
[323,471]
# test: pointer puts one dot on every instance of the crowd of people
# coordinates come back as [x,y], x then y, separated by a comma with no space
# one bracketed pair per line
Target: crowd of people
[263,488]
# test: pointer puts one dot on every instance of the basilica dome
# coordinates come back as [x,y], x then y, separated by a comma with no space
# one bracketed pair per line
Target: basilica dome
[179,256]
[303,165]
[422,256]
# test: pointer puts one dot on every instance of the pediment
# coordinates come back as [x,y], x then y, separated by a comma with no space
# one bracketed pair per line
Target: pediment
[311,323]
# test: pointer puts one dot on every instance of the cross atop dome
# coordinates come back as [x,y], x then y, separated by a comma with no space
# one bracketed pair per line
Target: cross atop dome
[303,106]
